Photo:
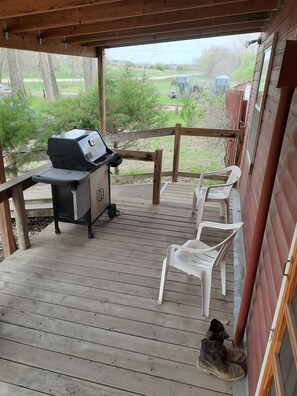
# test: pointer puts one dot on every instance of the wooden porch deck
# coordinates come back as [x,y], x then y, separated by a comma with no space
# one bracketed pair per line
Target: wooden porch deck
[80,317]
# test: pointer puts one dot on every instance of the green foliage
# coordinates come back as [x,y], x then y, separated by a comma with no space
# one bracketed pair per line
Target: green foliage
[132,103]
[18,125]
[186,68]
[188,110]
[160,66]
[75,112]
[246,71]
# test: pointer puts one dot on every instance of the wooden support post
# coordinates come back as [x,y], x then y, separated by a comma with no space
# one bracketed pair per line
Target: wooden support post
[176,152]
[8,241]
[20,217]
[101,90]
[157,176]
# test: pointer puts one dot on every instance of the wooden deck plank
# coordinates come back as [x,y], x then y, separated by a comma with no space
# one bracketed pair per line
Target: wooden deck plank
[95,372]
[92,278]
[106,354]
[80,316]
[26,377]
[12,390]
[143,277]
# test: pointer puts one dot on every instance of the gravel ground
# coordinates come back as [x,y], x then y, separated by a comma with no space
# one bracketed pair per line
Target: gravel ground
[35,225]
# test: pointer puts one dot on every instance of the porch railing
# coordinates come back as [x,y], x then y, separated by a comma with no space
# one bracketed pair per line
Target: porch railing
[14,188]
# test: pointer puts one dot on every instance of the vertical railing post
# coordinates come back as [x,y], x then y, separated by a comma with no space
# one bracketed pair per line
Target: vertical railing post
[7,237]
[101,89]
[157,176]
[176,152]
[20,217]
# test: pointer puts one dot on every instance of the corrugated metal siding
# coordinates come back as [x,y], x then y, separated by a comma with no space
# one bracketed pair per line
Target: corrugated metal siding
[283,209]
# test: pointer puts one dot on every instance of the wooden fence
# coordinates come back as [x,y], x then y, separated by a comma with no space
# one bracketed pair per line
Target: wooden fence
[14,188]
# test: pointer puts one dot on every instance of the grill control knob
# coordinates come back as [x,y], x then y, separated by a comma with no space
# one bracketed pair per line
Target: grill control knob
[91,142]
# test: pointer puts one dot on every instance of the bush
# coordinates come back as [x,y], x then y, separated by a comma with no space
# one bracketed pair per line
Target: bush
[18,126]
[131,104]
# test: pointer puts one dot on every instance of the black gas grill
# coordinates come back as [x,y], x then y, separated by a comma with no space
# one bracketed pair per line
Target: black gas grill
[80,177]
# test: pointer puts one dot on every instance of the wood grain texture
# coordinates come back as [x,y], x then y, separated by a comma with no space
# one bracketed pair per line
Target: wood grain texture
[78,27]
[82,315]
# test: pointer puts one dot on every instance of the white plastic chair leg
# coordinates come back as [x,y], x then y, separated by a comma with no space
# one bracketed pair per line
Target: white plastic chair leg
[163,280]
[227,210]
[201,203]
[206,288]
[223,276]
[194,203]
[222,209]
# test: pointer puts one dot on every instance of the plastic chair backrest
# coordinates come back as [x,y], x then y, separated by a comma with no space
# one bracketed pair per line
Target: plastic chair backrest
[225,244]
[234,176]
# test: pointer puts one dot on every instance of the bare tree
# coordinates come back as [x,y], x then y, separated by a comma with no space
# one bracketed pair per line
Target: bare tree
[89,71]
[15,74]
[1,61]
[48,75]
[218,60]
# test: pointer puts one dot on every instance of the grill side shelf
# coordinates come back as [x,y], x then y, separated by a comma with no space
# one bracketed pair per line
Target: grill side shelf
[58,176]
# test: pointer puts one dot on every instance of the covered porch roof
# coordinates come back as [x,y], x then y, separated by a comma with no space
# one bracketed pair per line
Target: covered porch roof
[79,27]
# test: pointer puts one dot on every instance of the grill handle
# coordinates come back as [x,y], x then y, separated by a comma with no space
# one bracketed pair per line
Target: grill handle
[100,194]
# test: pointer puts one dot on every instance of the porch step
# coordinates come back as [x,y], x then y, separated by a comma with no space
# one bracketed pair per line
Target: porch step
[38,202]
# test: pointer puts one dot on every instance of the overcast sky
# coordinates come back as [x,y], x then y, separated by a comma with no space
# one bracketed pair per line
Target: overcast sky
[177,52]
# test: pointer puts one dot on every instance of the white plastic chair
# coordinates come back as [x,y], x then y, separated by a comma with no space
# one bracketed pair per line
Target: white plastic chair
[219,193]
[198,259]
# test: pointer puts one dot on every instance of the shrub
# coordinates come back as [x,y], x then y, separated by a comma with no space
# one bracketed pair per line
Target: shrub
[18,126]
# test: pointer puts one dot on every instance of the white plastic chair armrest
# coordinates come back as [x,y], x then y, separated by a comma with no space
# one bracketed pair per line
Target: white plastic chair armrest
[173,248]
[213,173]
[217,186]
[218,226]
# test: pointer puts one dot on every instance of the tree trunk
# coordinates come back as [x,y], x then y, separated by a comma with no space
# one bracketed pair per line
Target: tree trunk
[15,74]
[89,71]
[48,75]
[1,61]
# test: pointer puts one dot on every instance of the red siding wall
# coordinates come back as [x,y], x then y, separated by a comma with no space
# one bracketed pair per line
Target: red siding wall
[283,208]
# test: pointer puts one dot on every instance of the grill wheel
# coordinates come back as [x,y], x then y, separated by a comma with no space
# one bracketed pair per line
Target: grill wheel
[112,211]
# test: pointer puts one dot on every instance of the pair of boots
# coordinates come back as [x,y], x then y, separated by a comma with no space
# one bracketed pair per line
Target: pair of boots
[224,362]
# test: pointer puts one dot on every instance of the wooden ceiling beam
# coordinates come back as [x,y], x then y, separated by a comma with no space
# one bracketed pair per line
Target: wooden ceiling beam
[53,46]
[240,28]
[259,19]
[187,16]
[132,8]
[17,8]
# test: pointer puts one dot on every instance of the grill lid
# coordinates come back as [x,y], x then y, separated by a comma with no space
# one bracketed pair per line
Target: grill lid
[78,149]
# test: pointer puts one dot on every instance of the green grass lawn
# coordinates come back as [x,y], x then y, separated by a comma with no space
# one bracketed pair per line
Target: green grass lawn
[64,86]
[197,154]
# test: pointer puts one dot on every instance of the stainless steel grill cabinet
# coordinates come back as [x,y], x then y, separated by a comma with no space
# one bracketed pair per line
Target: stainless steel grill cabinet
[80,177]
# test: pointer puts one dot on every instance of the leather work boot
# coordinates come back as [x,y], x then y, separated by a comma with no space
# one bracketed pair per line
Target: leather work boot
[216,331]
[213,359]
